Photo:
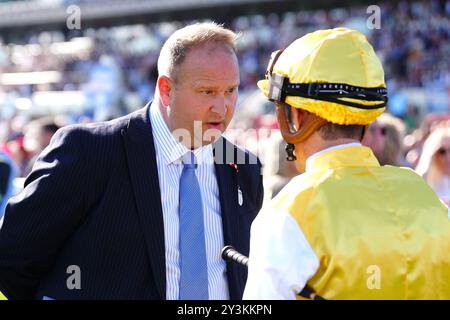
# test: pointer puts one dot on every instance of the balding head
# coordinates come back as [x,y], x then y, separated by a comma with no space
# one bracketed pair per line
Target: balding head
[175,49]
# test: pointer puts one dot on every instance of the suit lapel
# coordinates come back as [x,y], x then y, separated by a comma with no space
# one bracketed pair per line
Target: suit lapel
[141,157]
[224,153]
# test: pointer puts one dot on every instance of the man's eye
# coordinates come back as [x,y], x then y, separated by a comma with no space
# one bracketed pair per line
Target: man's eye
[207,92]
[231,90]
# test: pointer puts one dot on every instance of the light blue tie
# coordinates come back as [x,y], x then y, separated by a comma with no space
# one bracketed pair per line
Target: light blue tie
[194,271]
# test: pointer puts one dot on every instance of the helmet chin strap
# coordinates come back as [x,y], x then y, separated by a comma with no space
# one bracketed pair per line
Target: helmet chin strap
[310,123]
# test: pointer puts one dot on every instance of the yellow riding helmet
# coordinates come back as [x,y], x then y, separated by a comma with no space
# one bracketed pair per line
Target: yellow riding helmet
[334,74]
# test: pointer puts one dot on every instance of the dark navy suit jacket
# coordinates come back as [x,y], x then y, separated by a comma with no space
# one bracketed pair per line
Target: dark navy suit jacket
[93,201]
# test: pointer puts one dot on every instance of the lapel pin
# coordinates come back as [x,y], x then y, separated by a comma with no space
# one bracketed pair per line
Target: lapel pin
[240,197]
[234,166]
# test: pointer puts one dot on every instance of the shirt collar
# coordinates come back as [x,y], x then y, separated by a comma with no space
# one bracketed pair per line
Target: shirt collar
[339,155]
[171,149]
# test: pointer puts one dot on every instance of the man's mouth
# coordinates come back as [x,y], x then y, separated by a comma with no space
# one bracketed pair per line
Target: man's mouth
[214,125]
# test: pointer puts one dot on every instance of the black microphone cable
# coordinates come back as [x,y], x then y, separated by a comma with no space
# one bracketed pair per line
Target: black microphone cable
[230,254]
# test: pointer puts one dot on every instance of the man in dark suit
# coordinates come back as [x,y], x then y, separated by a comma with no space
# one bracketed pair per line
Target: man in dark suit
[134,208]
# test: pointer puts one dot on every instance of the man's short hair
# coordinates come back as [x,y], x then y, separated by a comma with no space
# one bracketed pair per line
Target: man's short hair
[177,46]
[332,131]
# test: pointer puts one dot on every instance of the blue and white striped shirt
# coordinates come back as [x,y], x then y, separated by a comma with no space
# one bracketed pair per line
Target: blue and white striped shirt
[168,158]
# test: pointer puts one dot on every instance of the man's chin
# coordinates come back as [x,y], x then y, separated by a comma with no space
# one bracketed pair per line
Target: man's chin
[212,134]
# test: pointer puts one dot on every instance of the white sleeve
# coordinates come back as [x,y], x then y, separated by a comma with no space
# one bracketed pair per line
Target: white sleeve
[281,259]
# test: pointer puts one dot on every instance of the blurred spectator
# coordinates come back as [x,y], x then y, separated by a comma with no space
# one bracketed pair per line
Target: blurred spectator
[385,138]
[20,155]
[434,163]
[7,174]
[414,142]
[38,134]
[412,118]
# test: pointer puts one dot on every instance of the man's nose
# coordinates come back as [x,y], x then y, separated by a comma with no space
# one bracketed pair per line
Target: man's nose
[221,105]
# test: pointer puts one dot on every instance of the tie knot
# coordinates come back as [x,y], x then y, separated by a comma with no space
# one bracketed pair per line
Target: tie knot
[189,160]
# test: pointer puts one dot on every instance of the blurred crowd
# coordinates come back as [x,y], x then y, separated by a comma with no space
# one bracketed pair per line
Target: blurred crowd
[99,74]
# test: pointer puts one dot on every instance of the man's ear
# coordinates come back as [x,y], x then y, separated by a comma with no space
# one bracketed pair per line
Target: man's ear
[165,86]
[298,116]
